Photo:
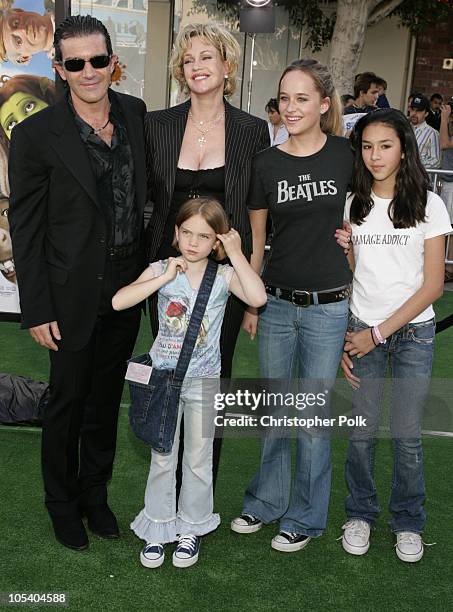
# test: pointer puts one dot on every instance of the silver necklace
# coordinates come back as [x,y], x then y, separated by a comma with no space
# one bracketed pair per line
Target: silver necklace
[205,126]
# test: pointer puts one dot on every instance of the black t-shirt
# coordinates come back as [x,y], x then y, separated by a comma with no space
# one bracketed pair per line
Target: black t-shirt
[351,110]
[306,198]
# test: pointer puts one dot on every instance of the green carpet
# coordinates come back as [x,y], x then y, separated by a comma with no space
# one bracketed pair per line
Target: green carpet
[240,573]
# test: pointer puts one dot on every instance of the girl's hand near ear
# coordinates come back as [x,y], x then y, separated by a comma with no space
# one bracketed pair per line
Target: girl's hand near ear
[231,243]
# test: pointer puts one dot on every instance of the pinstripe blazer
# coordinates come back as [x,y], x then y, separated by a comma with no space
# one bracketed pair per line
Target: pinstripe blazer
[245,135]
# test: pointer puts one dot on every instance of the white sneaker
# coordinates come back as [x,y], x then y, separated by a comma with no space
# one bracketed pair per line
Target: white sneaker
[356,536]
[246,523]
[409,546]
[152,555]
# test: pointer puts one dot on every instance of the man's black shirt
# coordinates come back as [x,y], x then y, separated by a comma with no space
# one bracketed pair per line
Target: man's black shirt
[433,119]
[113,168]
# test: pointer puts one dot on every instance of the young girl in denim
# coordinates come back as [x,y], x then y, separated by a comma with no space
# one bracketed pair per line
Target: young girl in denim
[201,231]
[398,229]
[303,184]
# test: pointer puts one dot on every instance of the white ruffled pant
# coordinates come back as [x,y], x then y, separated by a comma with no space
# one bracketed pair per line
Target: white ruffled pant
[160,520]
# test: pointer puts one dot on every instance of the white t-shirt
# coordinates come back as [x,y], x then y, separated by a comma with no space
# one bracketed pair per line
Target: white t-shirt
[281,136]
[389,262]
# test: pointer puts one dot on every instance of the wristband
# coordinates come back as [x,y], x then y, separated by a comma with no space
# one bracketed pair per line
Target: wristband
[372,337]
[378,335]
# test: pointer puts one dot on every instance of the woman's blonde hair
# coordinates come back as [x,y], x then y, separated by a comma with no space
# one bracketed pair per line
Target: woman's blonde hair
[217,36]
[331,121]
[214,215]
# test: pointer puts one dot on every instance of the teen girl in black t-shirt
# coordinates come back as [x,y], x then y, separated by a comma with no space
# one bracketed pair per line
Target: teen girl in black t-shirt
[303,183]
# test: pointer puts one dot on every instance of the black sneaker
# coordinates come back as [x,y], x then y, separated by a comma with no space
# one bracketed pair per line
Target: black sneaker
[187,549]
[246,523]
[289,542]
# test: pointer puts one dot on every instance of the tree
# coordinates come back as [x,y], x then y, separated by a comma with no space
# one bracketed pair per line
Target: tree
[349,24]
[344,25]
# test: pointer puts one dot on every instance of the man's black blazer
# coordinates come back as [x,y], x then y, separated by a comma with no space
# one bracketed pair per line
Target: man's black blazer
[57,225]
[245,135]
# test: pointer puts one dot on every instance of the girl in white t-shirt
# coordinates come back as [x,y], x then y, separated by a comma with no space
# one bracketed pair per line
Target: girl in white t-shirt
[398,229]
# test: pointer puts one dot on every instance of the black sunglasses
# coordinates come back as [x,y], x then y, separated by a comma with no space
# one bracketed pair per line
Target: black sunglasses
[77,65]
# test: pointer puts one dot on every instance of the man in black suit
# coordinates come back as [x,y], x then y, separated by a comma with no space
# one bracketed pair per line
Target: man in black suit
[78,191]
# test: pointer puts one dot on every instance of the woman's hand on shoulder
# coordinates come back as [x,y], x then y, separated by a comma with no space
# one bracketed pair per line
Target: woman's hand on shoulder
[174,265]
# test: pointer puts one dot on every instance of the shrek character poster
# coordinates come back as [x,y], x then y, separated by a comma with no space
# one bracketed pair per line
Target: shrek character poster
[26,86]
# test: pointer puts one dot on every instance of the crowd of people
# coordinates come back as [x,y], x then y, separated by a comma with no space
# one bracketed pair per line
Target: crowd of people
[424,114]
[357,259]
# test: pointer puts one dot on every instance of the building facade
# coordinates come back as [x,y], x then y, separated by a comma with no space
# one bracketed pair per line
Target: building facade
[143,32]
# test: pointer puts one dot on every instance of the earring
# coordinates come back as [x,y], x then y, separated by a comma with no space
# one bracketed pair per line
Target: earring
[402,155]
[225,76]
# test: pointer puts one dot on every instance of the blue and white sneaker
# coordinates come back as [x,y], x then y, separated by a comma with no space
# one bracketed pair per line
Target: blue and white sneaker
[187,549]
[152,555]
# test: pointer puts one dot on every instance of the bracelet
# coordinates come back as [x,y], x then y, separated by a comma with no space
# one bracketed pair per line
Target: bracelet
[372,337]
[378,335]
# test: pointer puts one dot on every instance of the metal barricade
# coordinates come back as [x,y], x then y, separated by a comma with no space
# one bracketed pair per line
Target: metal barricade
[435,175]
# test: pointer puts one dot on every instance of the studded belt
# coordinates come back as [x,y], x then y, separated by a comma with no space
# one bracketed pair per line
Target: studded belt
[307,298]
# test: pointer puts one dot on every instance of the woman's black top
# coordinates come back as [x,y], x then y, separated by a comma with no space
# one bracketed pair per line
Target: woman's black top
[190,184]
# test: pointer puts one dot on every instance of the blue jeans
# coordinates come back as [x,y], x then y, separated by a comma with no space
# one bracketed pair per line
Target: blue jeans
[409,352]
[307,342]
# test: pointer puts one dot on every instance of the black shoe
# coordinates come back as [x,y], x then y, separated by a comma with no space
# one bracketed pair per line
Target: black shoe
[70,532]
[246,523]
[102,521]
[289,542]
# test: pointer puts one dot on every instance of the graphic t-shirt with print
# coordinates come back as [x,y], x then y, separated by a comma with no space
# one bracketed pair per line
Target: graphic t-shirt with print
[305,197]
[175,302]
[389,262]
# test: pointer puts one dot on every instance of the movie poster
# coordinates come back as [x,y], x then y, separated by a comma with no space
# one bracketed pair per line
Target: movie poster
[126,22]
[27,86]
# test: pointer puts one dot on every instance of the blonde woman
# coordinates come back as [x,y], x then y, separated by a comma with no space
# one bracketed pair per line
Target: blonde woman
[303,183]
[203,147]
